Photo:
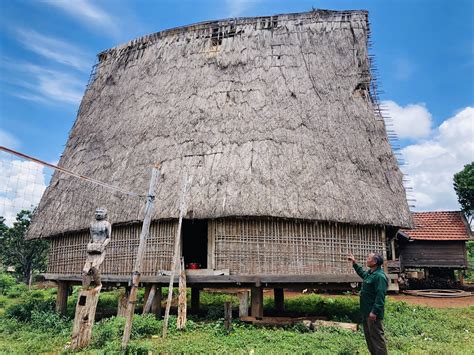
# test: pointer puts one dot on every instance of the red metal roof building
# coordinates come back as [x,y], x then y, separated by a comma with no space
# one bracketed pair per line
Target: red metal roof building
[438,241]
[443,225]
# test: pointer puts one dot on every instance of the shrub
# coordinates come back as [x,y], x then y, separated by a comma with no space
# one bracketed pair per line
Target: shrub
[6,282]
[29,301]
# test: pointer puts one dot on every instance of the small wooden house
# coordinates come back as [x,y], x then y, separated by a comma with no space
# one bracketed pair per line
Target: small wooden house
[436,244]
[276,120]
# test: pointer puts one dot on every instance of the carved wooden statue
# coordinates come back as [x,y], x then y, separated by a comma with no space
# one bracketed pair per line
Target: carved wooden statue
[100,237]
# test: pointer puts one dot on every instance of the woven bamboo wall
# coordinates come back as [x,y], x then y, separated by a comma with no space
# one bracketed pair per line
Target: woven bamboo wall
[244,246]
[67,254]
[290,247]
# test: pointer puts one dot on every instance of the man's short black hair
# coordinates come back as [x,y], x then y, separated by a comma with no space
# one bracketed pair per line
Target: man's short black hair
[378,258]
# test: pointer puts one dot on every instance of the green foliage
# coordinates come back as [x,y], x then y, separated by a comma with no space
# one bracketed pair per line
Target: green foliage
[24,255]
[409,329]
[27,303]
[464,187]
[6,283]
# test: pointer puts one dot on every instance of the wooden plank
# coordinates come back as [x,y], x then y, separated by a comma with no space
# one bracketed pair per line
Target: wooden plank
[137,268]
[323,323]
[280,321]
[223,279]
[200,272]
[84,318]
[181,320]
[61,297]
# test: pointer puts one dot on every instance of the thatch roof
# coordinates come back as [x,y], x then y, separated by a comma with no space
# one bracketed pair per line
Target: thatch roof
[272,116]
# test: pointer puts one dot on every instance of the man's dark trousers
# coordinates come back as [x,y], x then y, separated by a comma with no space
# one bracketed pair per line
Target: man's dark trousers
[374,336]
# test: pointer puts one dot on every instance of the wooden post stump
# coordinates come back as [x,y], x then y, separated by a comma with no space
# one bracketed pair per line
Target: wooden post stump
[257,302]
[243,297]
[61,297]
[279,299]
[195,300]
[84,319]
[228,316]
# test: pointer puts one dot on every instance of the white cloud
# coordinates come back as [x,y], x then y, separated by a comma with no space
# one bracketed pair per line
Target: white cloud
[237,7]
[22,184]
[46,86]
[53,49]
[88,13]
[433,162]
[8,140]
[411,121]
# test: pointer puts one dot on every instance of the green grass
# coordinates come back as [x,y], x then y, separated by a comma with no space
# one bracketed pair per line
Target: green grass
[28,325]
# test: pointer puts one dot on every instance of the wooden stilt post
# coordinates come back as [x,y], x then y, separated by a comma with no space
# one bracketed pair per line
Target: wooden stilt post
[181,321]
[228,316]
[61,297]
[195,296]
[156,306]
[176,255]
[279,298]
[123,302]
[155,173]
[149,300]
[257,302]
[243,303]
[146,294]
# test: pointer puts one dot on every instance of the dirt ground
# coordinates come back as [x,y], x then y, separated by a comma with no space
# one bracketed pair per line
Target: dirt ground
[422,301]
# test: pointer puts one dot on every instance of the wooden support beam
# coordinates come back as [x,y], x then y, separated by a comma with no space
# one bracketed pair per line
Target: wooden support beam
[195,300]
[257,302]
[176,254]
[123,302]
[137,267]
[156,306]
[228,316]
[181,320]
[146,294]
[279,299]
[84,318]
[149,299]
[243,297]
[61,297]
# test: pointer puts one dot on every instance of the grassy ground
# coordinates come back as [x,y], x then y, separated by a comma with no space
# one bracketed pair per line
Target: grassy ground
[27,325]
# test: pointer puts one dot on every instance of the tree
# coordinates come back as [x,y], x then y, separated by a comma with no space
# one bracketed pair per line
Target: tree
[24,255]
[464,187]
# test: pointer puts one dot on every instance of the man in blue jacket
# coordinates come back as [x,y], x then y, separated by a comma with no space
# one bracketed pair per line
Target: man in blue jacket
[372,301]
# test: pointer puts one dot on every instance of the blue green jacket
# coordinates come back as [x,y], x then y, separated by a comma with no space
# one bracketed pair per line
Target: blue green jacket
[374,289]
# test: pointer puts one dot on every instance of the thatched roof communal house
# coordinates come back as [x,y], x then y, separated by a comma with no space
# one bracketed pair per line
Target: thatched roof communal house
[275,120]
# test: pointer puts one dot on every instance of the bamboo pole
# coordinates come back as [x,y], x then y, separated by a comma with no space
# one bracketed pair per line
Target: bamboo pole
[132,300]
[177,252]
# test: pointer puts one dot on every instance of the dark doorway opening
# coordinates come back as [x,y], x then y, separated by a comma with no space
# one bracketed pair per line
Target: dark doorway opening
[194,233]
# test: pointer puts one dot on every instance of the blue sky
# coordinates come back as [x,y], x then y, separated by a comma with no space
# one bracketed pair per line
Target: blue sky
[423,50]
